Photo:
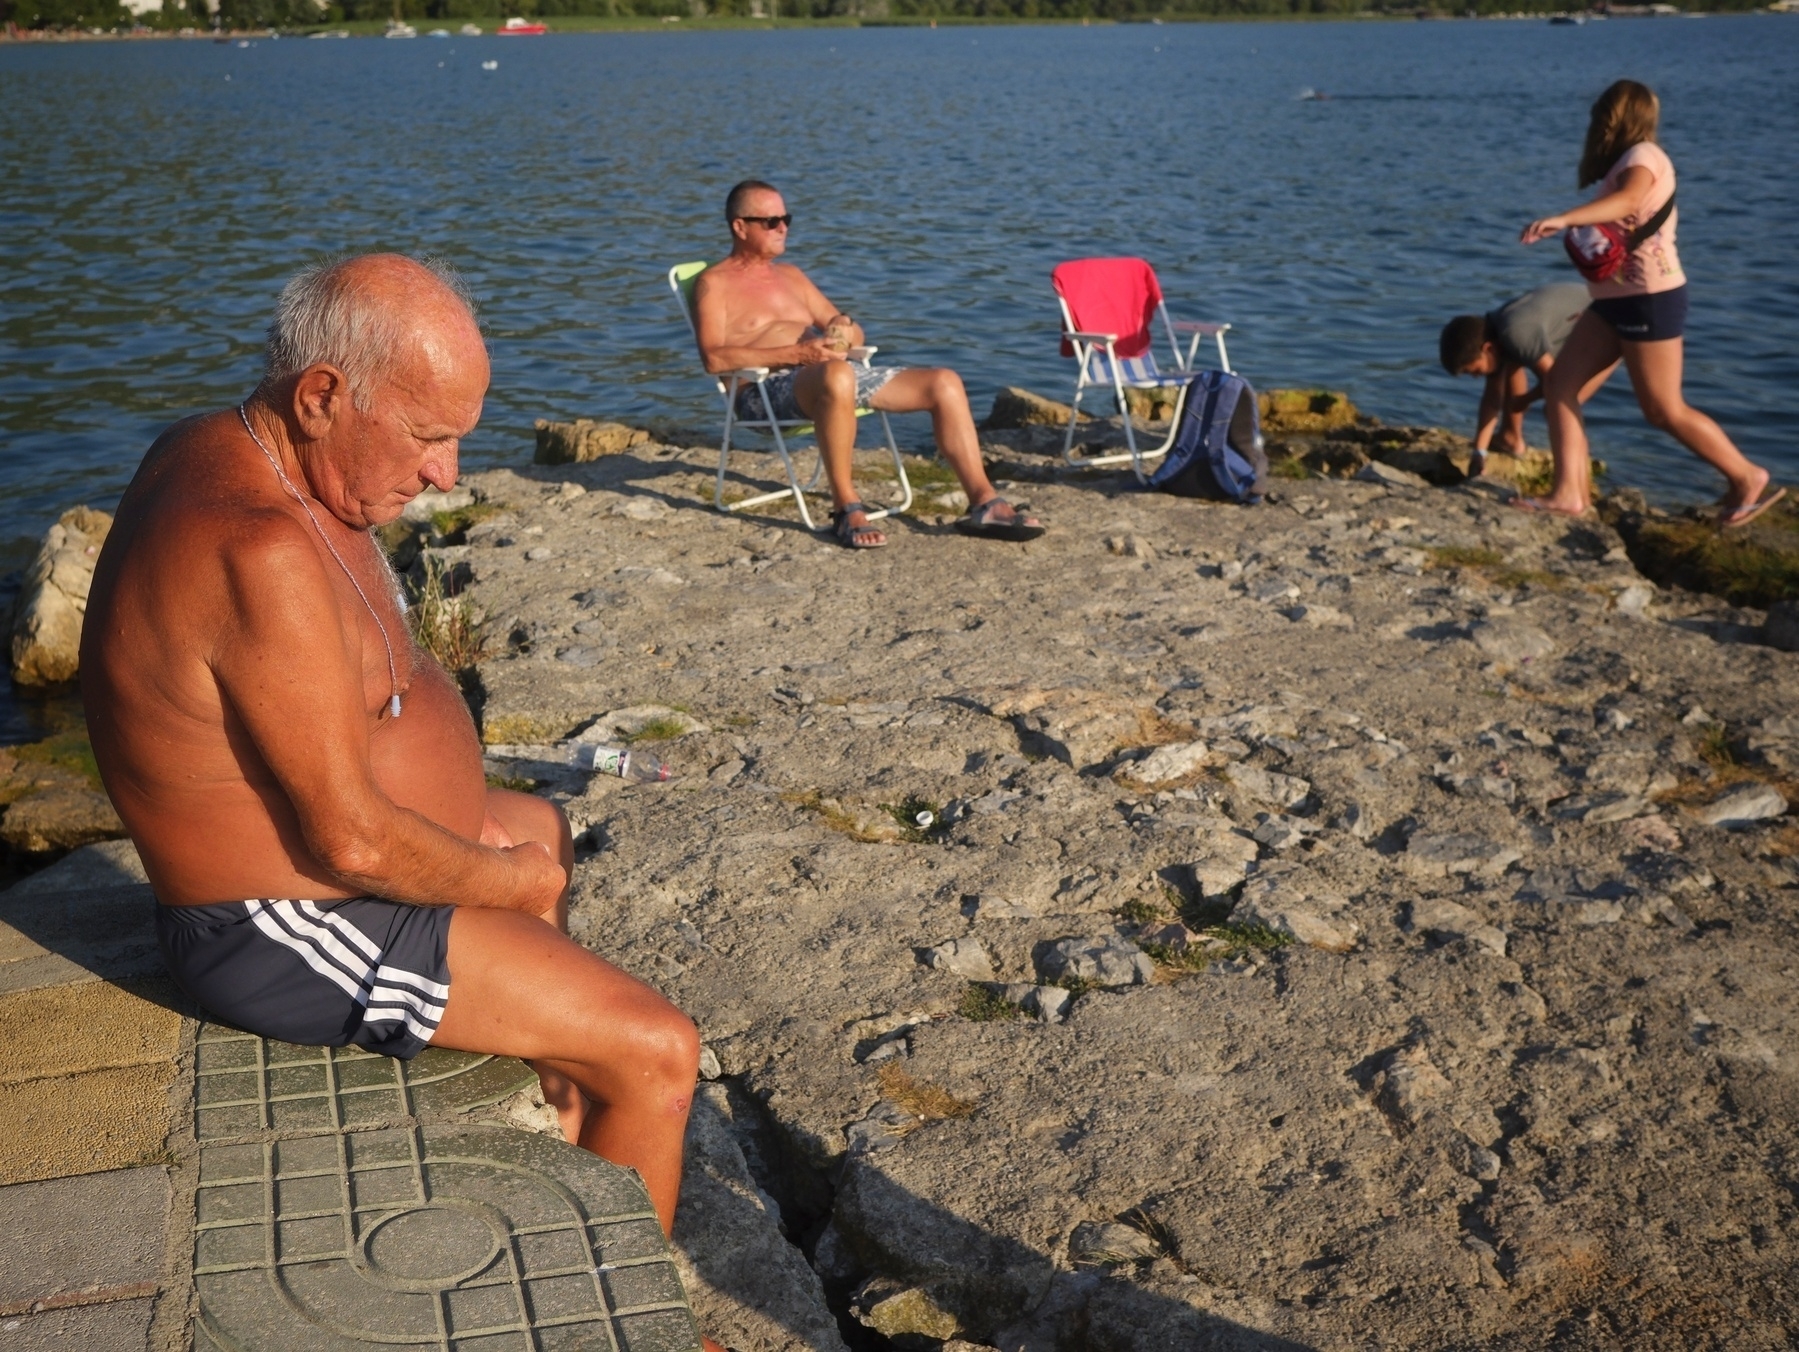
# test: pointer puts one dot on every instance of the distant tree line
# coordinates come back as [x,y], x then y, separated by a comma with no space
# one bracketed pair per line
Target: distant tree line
[107,14]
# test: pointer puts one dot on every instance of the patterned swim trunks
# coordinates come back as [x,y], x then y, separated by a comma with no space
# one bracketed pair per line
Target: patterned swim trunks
[368,972]
[869,381]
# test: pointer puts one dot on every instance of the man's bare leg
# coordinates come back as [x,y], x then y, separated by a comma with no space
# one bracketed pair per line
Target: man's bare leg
[940,390]
[826,393]
[519,987]
[513,819]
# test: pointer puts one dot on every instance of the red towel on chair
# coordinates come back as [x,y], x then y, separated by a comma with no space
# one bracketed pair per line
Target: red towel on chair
[1110,295]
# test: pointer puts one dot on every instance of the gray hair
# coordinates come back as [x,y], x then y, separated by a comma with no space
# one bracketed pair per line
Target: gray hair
[324,316]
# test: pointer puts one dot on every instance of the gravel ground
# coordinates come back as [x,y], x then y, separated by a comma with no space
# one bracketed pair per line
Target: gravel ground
[1365,920]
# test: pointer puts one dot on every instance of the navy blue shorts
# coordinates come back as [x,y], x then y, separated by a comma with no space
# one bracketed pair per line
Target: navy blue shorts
[1646,319]
[318,973]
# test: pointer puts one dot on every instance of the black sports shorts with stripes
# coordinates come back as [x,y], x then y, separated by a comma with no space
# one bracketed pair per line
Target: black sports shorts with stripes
[319,973]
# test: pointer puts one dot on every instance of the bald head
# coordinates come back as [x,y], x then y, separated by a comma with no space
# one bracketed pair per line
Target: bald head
[373,317]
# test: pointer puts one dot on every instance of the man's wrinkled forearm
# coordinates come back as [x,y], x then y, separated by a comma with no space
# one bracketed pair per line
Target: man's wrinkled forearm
[414,860]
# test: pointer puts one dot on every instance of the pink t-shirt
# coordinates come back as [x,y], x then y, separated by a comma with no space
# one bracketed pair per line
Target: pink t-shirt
[1654,266]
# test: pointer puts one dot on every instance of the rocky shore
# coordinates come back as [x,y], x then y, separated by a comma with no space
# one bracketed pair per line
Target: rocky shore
[1366,920]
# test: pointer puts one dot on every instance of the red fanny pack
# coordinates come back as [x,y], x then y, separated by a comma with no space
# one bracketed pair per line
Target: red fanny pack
[1599,251]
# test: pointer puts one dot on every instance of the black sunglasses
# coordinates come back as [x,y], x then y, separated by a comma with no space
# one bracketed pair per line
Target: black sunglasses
[769,222]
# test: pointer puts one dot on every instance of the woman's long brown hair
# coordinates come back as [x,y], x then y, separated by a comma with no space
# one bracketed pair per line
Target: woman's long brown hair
[1624,116]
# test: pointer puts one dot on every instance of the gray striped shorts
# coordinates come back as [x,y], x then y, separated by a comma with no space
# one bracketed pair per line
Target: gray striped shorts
[319,973]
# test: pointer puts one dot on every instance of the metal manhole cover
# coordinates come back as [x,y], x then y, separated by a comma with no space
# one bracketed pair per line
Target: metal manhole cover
[245,1084]
[472,1239]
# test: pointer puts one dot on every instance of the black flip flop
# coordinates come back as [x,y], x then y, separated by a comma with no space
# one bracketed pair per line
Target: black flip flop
[979,523]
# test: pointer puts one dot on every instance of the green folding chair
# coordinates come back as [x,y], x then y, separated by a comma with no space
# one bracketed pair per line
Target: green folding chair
[728,383]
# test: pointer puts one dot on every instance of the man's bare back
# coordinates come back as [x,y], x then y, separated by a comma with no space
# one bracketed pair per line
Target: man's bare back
[176,598]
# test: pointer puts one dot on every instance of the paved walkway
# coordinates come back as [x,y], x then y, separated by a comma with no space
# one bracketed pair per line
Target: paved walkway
[167,1184]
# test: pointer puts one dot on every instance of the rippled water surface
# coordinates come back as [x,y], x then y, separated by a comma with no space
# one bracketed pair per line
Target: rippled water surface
[156,194]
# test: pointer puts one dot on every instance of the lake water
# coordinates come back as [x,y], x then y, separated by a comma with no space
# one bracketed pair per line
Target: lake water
[157,193]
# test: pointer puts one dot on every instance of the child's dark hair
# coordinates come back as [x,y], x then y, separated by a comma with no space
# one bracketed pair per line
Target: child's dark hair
[1459,347]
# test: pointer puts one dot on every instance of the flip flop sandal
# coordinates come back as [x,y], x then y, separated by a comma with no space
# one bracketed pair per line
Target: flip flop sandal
[979,522]
[1536,507]
[851,537]
[1742,516]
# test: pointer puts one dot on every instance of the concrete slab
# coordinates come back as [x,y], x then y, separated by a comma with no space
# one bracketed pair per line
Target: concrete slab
[115,1326]
[245,1083]
[101,1232]
[100,933]
[84,1084]
[429,1235]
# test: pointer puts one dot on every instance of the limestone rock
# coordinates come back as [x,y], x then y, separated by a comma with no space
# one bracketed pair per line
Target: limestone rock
[1216,877]
[981,1279]
[891,1308]
[1104,961]
[1744,806]
[568,443]
[1598,809]
[1406,1084]
[1310,921]
[1375,472]
[58,819]
[1110,1242]
[1015,407]
[1288,411]
[1782,627]
[46,630]
[1319,616]
[427,504]
[1510,641]
[1455,921]
[1445,855]
[1077,727]
[1167,764]
[1269,786]
[749,1285]
[622,724]
[964,957]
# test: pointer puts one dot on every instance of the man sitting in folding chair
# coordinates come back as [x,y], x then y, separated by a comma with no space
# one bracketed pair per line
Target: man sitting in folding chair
[751,311]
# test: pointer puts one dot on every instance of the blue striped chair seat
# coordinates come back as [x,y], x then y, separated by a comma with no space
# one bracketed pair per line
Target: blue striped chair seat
[1136,372]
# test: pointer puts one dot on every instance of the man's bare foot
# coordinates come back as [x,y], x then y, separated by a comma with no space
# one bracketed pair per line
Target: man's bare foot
[849,524]
[570,1103]
[1550,507]
[996,519]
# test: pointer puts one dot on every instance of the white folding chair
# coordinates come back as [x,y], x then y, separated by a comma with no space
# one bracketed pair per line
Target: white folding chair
[680,281]
[1108,306]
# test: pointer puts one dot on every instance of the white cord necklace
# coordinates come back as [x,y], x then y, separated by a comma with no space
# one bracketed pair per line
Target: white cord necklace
[393,676]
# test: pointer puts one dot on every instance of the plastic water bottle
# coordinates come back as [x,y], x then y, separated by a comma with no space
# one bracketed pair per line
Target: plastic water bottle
[621,761]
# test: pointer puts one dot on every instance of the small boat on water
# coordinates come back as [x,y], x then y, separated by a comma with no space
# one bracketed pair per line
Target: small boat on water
[470,30]
[396,29]
[516,27]
[1571,19]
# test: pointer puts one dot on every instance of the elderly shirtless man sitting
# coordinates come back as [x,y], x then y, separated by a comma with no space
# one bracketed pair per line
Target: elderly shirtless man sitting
[303,783]
[754,311]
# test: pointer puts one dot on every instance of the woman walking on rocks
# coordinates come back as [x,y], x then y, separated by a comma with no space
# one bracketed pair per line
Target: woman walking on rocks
[1623,243]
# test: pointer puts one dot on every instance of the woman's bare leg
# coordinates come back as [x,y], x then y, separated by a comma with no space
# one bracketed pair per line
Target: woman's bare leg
[1580,368]
[1656,371]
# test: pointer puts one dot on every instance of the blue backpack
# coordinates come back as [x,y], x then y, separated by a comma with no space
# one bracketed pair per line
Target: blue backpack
[1217,452]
